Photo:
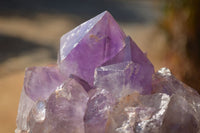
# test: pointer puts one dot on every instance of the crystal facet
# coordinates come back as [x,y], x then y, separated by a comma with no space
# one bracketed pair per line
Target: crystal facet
[138,114]
[118,79]
[98,108]
[40,82]
[103,83]
[62,112]
[25,105]
[92,43]
[131,52]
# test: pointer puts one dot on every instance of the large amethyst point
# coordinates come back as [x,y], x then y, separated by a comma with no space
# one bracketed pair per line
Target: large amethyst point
[89,45]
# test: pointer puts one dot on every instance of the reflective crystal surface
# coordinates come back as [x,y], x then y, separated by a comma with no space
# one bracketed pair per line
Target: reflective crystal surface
[173,108]
[118,79]
[104,83]
[145,69]
[25,105]
[138,114]
[89,45]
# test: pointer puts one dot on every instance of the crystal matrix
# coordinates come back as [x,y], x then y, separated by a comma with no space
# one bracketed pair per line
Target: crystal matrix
[103,83]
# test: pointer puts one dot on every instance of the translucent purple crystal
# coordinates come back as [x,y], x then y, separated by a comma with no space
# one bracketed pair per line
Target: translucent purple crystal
[103,83]
[62,111]
[143,74]
[40,82]
[107,77]
[98,108]
[89,45]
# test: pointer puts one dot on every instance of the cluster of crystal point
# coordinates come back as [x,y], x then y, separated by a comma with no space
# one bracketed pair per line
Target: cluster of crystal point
[103,83]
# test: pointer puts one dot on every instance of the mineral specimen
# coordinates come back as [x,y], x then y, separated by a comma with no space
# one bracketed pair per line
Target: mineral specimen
[103,83]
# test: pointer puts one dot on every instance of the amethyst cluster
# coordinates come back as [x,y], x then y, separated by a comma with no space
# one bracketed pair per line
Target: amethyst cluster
[103,83]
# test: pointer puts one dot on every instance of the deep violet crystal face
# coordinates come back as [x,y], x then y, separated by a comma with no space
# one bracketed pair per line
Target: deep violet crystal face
[104,83]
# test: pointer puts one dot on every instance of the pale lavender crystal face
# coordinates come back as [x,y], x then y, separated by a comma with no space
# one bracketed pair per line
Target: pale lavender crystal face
[40,82]
[143,75]
[98,108]
[25,105]
[118,79]
[103,83]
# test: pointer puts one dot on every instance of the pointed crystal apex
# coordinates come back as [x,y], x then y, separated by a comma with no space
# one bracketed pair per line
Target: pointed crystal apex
[69,40]
[131,52]
[89,45]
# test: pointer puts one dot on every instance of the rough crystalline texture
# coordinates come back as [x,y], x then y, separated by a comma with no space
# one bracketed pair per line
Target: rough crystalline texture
[63,111]
[103,83]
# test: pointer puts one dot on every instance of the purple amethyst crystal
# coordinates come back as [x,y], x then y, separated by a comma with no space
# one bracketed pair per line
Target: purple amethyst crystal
[89,45]
[118,79]
[98,108]
[103,83]
[139,72]
[62,111]
[40,82]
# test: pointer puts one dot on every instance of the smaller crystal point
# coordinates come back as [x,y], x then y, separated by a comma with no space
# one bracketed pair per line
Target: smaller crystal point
[40,82]
[145,69]
[64,110]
